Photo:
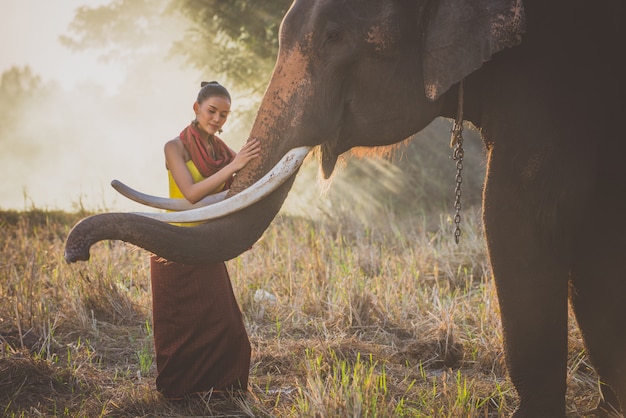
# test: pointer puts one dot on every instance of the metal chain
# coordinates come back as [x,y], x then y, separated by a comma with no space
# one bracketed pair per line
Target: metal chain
[457,155]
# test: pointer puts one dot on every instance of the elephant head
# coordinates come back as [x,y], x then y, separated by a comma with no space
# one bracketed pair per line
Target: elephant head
[348,74]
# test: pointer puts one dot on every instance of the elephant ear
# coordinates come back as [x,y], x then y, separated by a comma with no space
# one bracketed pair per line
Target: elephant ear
[460,35]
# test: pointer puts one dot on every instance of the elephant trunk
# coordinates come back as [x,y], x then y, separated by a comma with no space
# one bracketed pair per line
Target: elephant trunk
[217,240]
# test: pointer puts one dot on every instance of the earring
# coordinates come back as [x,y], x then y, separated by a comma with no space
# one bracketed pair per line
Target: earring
[219,131]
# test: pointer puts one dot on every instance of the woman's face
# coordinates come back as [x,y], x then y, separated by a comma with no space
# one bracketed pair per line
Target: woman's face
[212,113]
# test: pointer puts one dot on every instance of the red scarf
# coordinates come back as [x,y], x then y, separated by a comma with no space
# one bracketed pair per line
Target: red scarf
[206,163]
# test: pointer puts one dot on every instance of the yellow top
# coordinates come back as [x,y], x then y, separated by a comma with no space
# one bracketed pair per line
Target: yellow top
[175,192]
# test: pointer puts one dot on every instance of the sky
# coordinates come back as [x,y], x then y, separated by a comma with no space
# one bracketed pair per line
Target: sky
[29,33]
[76,150]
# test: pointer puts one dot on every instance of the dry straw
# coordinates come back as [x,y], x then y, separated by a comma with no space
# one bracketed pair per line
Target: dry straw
[388,318]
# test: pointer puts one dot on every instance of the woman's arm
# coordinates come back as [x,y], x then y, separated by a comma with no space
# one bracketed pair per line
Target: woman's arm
[194,192]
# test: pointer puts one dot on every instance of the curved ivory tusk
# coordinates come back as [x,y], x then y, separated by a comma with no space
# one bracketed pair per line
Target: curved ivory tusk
[267,184]
[164,202]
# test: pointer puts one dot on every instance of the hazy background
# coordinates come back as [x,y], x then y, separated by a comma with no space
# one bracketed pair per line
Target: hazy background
[92,89]
[102,120]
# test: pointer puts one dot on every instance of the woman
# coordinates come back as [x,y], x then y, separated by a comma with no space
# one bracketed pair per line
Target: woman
[200,340]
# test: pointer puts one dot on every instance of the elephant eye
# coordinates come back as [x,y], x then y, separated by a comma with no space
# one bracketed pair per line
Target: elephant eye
[332,35]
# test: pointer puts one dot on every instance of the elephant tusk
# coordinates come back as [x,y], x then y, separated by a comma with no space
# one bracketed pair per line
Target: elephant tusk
[288,165]
[164,202]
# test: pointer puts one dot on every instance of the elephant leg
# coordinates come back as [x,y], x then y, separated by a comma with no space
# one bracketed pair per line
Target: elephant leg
[532,292]
[597,294]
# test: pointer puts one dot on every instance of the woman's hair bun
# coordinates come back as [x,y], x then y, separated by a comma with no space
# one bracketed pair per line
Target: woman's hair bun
[211,88]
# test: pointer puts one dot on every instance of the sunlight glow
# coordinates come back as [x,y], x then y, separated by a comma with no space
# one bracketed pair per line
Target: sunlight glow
[107,120]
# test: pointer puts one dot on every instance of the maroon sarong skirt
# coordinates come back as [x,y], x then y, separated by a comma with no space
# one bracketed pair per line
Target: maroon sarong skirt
[200,339]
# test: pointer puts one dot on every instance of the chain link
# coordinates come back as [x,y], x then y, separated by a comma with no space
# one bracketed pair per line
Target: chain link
[457,155]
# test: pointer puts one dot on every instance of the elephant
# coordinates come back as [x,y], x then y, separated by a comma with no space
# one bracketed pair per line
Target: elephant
[543,81]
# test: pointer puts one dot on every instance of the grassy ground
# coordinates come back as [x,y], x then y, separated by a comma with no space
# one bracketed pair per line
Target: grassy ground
[345,319]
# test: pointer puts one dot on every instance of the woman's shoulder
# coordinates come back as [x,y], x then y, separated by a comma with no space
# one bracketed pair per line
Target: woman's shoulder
[176,147]
[174,143]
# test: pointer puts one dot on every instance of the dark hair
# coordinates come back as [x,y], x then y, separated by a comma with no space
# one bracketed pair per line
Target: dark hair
[211,88]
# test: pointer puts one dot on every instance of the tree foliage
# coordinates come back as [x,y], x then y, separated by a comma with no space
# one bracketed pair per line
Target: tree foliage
[233,39]
[240,35]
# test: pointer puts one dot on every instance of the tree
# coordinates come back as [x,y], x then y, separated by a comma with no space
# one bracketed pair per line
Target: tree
[122,28]
[241,36]
[234,39]
[19,88]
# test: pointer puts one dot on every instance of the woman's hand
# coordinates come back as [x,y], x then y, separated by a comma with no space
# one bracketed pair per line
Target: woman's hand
[248,151]
[194,192]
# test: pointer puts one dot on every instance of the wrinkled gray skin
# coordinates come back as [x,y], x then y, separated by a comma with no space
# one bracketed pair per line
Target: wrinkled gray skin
[547,93]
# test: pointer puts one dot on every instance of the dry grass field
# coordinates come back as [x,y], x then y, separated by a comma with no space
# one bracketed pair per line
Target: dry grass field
[388,319]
